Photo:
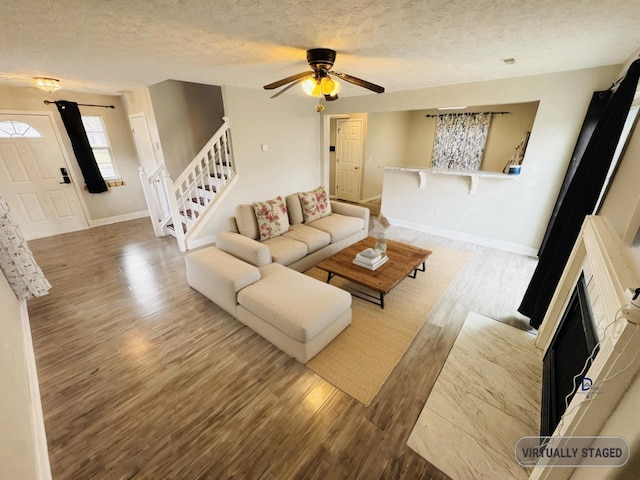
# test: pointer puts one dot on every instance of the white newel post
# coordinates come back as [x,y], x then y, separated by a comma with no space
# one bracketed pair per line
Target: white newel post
[175,212]
[152,205]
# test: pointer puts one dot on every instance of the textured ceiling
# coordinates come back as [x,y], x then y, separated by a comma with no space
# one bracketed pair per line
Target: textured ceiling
[111,46]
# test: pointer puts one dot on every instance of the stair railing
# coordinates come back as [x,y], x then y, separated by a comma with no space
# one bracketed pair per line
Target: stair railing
[156,197]
[194,192]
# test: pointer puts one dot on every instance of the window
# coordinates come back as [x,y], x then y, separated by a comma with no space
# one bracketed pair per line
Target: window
[14,128]
[100,145]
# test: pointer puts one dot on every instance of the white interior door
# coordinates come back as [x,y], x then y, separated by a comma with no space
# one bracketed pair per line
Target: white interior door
[144,145]
[31,160]
[348,159]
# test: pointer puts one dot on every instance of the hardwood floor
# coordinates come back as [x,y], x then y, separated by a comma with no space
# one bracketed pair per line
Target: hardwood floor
[144,378]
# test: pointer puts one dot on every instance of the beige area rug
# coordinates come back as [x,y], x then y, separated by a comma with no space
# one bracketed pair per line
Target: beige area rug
[362,357]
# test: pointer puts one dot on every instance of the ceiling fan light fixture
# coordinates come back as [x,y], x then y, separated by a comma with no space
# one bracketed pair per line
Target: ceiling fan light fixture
[311,87]
[329,86]
[321,81]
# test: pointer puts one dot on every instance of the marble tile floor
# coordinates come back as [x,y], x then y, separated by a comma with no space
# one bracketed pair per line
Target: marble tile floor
[486,397]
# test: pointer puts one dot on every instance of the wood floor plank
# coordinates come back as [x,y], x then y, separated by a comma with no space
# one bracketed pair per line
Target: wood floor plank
[144,378]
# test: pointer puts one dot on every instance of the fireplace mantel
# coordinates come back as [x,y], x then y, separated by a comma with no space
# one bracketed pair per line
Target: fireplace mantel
[614,367]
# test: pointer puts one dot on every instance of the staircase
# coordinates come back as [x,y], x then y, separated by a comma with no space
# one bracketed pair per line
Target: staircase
[178,207]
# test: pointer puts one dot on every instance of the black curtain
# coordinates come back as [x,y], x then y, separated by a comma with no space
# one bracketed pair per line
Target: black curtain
[72,120]
[580,192]
[595,112]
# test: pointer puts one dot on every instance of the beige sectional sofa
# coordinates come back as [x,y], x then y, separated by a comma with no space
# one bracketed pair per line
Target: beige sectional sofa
[294,312]
[260,284]
[305,244]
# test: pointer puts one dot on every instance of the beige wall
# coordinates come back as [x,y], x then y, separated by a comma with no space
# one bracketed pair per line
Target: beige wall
[406,138]
[505,133]
[187,115]
[420,137]
[18,445]
[386,144]
[621,206]
[510,214]
[139,102]
[289,127]
[118,202]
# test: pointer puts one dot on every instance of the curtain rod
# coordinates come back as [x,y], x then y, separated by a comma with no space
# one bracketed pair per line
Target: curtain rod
[83,104]
[465,113]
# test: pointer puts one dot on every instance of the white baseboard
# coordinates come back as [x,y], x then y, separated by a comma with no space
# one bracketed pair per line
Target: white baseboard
[366,200]
[201,242]
[466,237]
[118,218]
[371,199]
[43,467]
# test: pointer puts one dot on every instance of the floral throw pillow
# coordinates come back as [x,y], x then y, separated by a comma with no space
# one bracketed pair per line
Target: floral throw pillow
[272,218]
[315,204]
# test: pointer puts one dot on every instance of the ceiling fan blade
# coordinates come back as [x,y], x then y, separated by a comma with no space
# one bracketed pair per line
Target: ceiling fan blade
[284,81]
[293,84]
[358,81]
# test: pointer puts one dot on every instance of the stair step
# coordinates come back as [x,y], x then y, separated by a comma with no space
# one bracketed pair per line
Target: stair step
[219,175]
[225,163]
[171,226]
[189,214]
[199,200]
[210,188]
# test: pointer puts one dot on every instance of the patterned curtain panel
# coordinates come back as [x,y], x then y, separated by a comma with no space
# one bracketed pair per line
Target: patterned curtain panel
[16,260]
[460,140]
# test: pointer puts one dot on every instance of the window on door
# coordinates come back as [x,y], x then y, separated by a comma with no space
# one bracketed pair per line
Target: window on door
[15,128]
[99,142]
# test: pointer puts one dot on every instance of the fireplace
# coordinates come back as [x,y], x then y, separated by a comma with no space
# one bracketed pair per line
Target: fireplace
[614,368]
[564,361]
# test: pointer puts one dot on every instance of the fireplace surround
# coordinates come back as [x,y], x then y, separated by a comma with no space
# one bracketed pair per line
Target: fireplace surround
[615,365]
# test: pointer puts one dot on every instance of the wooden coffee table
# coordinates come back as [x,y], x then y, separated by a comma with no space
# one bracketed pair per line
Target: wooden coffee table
[404,261]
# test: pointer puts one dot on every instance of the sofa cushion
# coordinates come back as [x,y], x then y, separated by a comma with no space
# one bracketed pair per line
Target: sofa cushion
[246,221]
[294,303]
[285,250]
[294,208]
[272,218]
[313,238]
[219,276]
[315,204]
[339,226]
[247,249]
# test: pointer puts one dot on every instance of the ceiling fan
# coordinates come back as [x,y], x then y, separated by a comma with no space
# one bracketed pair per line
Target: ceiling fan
[318,82]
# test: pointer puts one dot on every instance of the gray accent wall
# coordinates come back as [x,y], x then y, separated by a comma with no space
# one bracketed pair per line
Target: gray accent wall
[187,115]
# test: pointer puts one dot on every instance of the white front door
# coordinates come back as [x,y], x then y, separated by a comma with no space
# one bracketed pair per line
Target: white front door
[31,179]
[348,159]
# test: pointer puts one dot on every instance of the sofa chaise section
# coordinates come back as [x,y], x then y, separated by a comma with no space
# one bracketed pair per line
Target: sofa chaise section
[296,313]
